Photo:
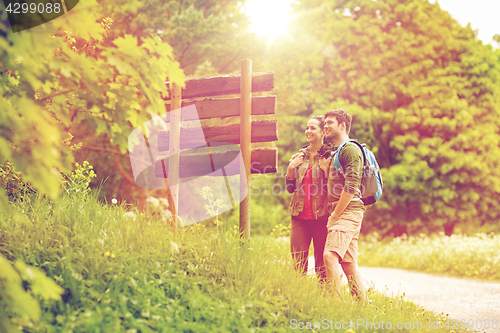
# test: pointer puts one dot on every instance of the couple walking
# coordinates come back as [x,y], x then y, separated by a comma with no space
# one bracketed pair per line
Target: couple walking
[326,205]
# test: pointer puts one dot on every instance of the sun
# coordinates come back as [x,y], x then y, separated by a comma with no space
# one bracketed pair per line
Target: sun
[269,18]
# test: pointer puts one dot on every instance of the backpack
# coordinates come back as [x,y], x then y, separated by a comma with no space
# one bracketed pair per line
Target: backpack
[371,181]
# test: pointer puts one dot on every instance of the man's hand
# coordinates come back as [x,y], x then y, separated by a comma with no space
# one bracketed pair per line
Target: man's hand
[345,199]
[324,164]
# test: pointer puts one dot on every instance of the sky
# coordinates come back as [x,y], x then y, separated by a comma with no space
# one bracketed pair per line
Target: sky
[270,16]
[483,15]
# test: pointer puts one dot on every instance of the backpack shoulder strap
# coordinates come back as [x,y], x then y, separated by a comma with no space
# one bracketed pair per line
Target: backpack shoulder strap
[336,161]
[362,147]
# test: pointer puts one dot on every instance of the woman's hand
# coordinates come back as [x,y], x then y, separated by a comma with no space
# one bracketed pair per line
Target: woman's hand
[295,163]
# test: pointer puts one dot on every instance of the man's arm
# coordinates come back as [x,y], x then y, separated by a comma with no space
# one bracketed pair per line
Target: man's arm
[352,172]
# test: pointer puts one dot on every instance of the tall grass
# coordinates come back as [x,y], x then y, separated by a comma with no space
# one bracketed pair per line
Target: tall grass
[457,255]
[136,274]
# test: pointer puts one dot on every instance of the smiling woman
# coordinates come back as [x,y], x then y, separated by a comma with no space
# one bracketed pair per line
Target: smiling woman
[269,18]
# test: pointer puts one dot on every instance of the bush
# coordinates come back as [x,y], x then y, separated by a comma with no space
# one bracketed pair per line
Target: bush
[19,285]
[13,183]
[457,255]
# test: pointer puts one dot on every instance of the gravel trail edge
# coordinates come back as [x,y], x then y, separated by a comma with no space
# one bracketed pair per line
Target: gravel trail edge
[459,298]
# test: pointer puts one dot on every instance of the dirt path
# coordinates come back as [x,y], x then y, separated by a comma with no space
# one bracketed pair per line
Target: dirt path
[460,298]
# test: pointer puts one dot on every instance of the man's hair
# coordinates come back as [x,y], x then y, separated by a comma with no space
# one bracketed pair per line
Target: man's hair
[321,120]
[342,117]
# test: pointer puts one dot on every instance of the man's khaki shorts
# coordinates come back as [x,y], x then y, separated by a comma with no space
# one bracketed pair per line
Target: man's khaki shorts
[343,233]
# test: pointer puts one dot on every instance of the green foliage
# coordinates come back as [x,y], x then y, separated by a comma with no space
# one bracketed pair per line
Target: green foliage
[137,274]
[425,95]
[265,216]
[268,204]
[73,184]
[213,206]
[207,38]
[13,183]
[201,31]
[87,68]
[79,180]
[458,255]
[281,230]
[20,284]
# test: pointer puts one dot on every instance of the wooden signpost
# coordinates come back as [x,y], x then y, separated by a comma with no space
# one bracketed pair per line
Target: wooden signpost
[260,160]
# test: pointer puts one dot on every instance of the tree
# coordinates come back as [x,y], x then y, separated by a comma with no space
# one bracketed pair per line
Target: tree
[77,68]
[207,37]
[430,91]
[200,30]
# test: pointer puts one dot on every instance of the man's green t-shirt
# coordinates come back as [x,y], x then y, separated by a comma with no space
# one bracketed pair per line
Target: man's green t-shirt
[351,160]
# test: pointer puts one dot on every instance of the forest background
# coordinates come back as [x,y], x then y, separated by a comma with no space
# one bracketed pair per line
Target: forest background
[423,90]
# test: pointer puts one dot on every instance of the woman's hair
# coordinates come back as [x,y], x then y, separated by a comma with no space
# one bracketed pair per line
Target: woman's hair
[321,120]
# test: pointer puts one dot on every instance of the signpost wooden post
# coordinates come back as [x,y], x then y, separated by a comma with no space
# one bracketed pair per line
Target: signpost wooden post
[259,160]
[245,142]
[175,139]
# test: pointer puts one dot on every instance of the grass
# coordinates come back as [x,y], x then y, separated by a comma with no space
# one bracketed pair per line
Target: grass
[458,255]
[135,274]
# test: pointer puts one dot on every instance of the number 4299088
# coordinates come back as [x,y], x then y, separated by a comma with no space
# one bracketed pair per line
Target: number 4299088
[40,7]
[477,324]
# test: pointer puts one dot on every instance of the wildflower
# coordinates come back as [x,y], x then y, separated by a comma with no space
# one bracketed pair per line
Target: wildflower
[107,254]
[166,214]
[174,247]
[114,201]
[164,202]
[113,256]
[153,201]
[131,215]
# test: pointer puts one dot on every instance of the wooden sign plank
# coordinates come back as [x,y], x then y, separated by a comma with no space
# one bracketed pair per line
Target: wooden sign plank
[262,131]
[226,107]
[225,85]
[264,160]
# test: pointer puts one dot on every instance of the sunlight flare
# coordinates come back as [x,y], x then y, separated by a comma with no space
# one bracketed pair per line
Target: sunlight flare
[269,18]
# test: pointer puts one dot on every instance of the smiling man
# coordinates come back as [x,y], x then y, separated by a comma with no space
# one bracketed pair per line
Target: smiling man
[344,205]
